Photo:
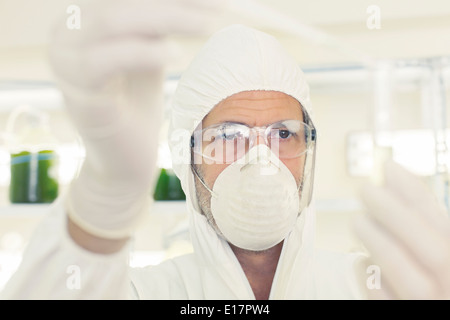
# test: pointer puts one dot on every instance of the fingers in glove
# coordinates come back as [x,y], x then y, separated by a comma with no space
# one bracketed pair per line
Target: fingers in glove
[401,275]
[412,230]
[413,191]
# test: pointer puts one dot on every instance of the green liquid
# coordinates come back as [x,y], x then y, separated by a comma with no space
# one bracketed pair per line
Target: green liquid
[31,180]
[168,187]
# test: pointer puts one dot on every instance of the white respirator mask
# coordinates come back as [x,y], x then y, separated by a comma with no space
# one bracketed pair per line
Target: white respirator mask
[255,200]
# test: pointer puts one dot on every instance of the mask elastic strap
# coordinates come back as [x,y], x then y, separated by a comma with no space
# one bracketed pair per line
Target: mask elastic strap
[203,183]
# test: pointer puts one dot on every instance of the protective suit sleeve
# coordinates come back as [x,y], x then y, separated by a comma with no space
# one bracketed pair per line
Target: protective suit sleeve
[55,267]
[111,74]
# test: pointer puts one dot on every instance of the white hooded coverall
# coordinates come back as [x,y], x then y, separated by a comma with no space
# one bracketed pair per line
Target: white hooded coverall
[235,59]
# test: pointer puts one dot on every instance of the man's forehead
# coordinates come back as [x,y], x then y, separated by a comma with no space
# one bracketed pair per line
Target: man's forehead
[257,96]
[255,108]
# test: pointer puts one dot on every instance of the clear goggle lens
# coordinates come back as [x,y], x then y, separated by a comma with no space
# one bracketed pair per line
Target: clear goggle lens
[227,142]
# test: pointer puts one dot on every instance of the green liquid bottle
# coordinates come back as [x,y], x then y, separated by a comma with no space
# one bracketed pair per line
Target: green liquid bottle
[168,186]
[32,177]
[34,162]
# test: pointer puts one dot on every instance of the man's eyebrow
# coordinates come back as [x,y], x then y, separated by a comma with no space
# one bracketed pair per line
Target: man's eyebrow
[247,125]
[235,122]
[231,122]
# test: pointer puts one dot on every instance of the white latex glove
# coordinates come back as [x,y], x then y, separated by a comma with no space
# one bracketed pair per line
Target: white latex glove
[111,73]
[408,236]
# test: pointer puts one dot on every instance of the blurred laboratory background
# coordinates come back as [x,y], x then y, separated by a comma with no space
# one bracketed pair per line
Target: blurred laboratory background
[379,74]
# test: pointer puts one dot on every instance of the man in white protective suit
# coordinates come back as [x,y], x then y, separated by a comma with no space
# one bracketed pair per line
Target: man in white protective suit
[243,143]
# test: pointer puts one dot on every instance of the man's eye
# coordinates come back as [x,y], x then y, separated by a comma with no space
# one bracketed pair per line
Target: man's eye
[229,134]
[281,133]
[226,136]
[284,134]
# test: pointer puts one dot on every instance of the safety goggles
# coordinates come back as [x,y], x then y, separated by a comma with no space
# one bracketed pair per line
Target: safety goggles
[229,141]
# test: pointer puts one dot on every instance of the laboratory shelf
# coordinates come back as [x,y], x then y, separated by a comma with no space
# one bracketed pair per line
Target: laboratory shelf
[168,207]
[175,208]
[38,210]
[24,210]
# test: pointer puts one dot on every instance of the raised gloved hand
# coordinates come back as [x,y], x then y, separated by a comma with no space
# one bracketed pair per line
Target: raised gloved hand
[111,74]
[407,234]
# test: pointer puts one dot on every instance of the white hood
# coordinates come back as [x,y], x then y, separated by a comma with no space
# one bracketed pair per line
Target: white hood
[238,59]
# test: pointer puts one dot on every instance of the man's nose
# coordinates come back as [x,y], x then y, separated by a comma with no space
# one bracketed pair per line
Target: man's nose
[261,155]
[258,138]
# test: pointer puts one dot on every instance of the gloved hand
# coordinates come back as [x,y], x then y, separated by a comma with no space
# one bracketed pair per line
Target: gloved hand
[111,74]
[407,234]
